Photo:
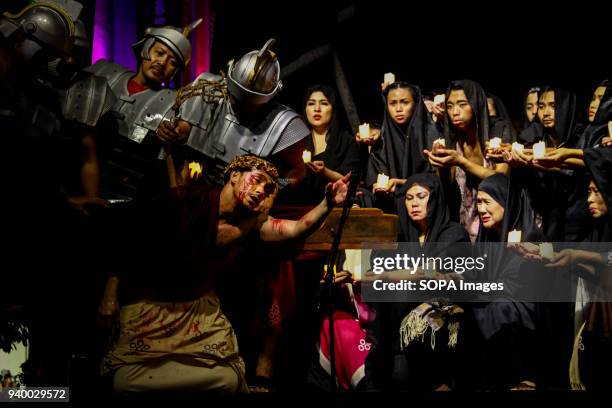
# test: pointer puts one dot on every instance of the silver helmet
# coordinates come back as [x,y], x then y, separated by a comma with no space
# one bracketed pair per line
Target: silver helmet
[255,77]
[47,24]
[172,37]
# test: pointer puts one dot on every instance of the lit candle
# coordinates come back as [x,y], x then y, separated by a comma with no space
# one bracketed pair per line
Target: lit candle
[382,180]
[610,128]
[514,236]
[517,147]
[195,170]
[364,131]
[306,156]
[546,250]
[389,78]
[439,99]
[440,142]
[495,143]
[539,150]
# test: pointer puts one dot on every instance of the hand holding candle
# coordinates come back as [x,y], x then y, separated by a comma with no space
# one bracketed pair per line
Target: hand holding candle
[518,147]
[514,236]
[539,150]
[495,143]
[364,131]
[439,142]
[389,78]
[439,99]
[546,250]
[382,180]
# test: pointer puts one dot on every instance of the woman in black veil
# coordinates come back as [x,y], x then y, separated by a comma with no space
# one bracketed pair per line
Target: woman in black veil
[407,130]
[416,345]
[592,353]
[334,152]
[506,343]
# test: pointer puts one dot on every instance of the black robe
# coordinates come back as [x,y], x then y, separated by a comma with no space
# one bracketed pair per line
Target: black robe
[399,152]
[507,324]
[418,367]
[341,154]
[595,357]
[560,196]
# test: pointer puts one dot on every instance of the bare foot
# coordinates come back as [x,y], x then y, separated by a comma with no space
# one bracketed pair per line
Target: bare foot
[524,386]
[261,385]
[443,387]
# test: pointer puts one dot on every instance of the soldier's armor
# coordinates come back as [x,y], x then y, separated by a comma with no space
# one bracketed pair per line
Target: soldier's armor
[87,100]
[136,118]
[34,110]
[139,113]
[219,135]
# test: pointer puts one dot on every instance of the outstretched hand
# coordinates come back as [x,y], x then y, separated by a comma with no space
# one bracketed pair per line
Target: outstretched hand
[369,141]
[317,166]
[565,258]
[336,192]
[84,204]
[442,157]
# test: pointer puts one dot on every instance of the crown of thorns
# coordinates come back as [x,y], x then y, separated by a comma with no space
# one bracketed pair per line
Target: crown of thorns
[250,162]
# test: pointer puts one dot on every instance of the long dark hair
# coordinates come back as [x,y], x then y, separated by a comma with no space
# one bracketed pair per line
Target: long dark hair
[332,97]
[477,99]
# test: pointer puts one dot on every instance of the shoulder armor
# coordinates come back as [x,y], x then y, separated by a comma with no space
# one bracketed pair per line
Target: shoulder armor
[109,70]
[87,100]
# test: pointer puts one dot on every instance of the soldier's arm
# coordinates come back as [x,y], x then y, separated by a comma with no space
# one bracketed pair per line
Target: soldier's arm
[90,169]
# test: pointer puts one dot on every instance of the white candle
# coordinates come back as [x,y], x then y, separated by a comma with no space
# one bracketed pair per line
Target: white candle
[546,250]
[389,78]
[539,150]
[514,236]
[495,143]
[610,128]
[364,131]
[439,99]
[517,147]
[306,156]
[382,180]
[440,142]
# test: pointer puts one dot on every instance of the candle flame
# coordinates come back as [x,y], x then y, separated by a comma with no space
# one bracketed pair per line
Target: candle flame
[195,170]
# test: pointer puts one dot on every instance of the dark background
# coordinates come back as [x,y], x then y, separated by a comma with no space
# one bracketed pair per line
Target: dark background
[506,46]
